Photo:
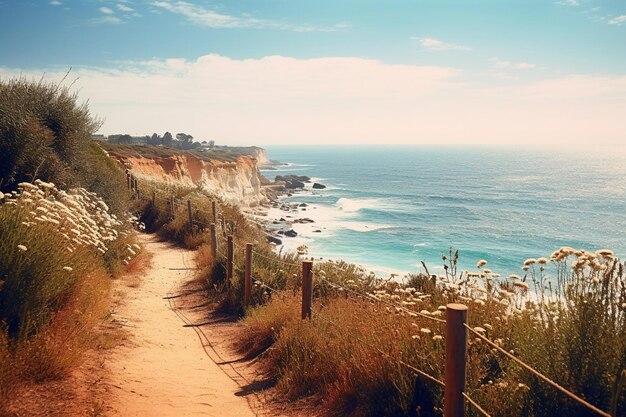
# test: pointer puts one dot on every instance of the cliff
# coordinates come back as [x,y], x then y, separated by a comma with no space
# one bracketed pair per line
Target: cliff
[255,152]
[233,176]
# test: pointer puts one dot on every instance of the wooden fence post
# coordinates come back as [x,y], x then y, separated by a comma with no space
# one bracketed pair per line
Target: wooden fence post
[214,210]
[248,275]
[456,357]
[190,214]
[213,241]
[136,186]
[229,259]
[307,289]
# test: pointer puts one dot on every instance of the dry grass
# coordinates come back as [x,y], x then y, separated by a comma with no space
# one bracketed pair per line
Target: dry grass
[57,255]
[136,268]
[569,323]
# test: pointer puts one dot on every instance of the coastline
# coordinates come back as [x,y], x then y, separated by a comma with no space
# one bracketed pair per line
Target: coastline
[312,223]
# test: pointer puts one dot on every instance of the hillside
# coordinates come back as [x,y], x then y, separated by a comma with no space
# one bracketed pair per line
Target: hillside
[231,173]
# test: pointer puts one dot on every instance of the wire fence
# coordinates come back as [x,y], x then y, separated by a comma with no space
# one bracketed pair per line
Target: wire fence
[175,204]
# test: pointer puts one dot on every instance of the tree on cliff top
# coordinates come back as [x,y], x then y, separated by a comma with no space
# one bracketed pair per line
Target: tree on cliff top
[45,133]
[167,139]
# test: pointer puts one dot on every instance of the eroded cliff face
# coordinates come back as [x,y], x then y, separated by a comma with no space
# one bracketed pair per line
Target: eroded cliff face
[237,182]
[261,157]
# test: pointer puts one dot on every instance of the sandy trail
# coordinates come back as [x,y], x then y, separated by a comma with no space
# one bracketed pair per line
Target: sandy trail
[164,370]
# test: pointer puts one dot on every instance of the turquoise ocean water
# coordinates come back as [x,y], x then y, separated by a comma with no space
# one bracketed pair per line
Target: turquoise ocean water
[388,208]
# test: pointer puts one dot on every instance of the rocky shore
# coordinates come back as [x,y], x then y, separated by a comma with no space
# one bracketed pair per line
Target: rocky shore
[279,217]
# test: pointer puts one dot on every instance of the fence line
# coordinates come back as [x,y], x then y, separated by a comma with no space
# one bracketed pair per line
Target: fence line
[538,374]
[274,259]
[307,310]
[400,361]
[260,283]
[373,298]
[476,405]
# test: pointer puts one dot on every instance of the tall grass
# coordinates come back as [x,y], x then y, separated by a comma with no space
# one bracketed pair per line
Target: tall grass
[565,316]
[45,133]
[57,252]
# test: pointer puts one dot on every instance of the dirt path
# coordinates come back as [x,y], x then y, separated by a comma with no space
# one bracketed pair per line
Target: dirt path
[164,369]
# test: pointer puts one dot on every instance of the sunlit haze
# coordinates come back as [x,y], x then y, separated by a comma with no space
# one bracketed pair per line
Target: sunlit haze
[324,73]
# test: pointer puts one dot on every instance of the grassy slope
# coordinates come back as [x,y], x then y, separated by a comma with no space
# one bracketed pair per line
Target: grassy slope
[349,357]
[223,154]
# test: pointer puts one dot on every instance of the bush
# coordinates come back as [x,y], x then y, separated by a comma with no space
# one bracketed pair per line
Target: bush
[46,134]
[352,356]
[56,253]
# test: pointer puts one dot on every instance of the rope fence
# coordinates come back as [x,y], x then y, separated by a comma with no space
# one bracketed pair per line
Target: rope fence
[388,303]
[537,373]
[457,328]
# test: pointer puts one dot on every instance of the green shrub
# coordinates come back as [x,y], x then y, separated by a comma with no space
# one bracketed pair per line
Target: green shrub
[45,134]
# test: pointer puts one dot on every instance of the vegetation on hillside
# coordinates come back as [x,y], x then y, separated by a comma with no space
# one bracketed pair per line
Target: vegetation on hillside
[147,151]
[64,232]
[46,134]
[566,317]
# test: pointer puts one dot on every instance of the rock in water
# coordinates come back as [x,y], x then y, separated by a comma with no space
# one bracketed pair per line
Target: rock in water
[291,233]
[318,186]
[293,181]
[275,240]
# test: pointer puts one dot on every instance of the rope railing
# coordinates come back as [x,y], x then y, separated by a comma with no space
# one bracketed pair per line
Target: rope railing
[256,253]
[418,371]
[537,373]
[257,281]
[476,405]
[371,297]
[177,203]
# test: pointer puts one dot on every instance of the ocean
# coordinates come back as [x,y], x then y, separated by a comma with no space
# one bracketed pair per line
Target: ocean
[390,207]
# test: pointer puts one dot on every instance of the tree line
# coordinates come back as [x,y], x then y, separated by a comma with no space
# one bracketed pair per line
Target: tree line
[180,141]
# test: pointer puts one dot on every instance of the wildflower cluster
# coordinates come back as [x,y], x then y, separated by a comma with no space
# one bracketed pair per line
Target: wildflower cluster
[79,216]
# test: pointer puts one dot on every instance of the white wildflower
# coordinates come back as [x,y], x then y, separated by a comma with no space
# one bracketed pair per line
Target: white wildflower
[530,261]
[521,285]
[22,248]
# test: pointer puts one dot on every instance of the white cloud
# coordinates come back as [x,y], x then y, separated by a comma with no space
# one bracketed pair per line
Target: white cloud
[617,20]
[56,3]
[277,99]
[106,10]
[124,8]
[108,19]
[437,45]
[210,18]
[513,65]
[568,3]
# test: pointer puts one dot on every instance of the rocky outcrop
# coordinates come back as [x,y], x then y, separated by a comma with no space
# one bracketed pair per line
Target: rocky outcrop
[318,186]
[293,182]
[238,182]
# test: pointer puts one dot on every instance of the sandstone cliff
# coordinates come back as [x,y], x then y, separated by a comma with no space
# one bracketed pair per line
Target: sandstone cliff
[237,180]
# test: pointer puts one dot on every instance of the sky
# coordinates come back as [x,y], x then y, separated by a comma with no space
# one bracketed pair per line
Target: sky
[527,72]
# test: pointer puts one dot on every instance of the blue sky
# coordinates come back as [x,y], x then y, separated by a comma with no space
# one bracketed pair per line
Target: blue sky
[481,44]
[574,36]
